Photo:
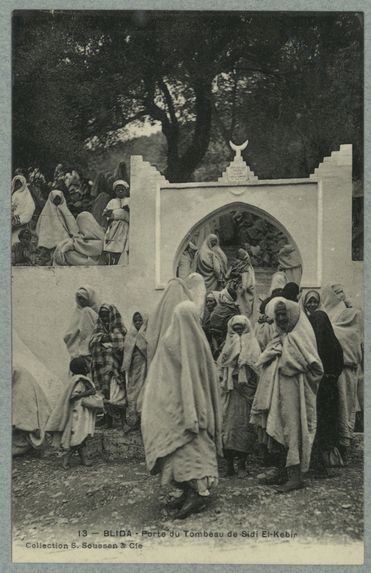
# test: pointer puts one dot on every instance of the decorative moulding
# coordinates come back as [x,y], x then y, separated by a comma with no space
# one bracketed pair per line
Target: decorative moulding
[238,172]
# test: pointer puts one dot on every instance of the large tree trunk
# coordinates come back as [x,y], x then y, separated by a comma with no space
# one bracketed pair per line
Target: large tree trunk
[181,168]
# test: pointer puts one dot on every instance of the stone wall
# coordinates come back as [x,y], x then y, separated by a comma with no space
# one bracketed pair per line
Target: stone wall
[314,212]
[43,299]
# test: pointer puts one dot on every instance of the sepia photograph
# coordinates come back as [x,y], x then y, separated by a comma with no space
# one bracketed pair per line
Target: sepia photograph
[187,246]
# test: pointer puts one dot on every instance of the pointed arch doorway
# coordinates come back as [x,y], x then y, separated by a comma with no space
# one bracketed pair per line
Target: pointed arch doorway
[240,225]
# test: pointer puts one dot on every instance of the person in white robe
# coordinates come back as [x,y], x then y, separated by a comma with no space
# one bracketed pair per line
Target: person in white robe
[22,206]
[116,240]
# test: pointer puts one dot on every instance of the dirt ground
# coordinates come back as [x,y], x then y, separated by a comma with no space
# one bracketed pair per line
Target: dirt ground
[120,503]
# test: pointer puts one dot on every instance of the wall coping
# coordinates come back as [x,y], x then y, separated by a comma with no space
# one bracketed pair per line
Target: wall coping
[255,183]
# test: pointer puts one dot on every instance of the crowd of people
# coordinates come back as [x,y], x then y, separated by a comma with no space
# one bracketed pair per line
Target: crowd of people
[70,220]
[239,226]
[212,373]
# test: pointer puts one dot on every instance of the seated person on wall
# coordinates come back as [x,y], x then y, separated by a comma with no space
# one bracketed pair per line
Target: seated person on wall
[24,252]
[84,248]
[22,206]
[187,261]
[116,241]
[56,222]
[43,257]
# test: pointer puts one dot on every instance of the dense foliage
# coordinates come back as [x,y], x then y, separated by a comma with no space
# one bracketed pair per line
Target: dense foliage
[292,83]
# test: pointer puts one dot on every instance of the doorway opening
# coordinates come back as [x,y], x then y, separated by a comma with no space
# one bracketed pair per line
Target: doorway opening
[240,225]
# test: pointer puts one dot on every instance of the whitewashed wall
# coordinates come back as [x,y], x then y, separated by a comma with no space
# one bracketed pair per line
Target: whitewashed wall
[316,213]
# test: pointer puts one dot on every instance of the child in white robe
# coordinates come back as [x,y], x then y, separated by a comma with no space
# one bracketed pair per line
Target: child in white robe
[116,241]
[73,419]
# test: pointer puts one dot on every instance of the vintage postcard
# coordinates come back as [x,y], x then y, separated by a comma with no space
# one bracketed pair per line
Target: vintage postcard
[187,262]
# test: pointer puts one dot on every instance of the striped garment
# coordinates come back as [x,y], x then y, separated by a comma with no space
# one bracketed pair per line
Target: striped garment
[107,354]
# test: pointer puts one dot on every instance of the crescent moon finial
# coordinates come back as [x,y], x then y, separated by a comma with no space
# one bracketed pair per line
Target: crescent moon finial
[238,148]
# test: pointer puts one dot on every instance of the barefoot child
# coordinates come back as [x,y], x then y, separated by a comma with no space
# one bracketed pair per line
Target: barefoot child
[73,419]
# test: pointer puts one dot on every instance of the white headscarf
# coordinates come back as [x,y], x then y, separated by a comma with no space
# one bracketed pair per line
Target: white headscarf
[56,222]
[23,205]
[333,303]
[238,350]
[120,182]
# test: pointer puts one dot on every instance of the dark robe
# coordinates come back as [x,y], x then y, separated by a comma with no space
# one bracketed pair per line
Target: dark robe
[291,291]
[99,204]
[219,318]
[331,354]
[205,323]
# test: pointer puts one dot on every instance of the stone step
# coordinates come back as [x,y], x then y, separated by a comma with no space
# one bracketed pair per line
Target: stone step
[113,446]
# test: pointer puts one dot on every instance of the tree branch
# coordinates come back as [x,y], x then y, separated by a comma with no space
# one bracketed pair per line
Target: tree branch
[153,109]
[223,130]
[234,104]
[169,102]
[184,167]
[134,117]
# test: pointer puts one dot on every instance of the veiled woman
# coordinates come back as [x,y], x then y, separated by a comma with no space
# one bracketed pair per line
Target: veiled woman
[22,206]
[159,321]
[181,417]
[225,309]
[265,329]
[106,347]
[56,222]
[347,325]
[177,290]
[82,323]
[289,268]
[135,364]
[30,411]
[212,263]
[284,407]
[85,248]
[238,378]
[210,304]
[331,354]
[243,272]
